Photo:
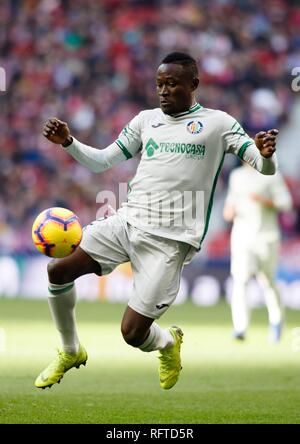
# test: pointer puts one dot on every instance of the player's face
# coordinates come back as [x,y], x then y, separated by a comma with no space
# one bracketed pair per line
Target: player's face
[175,88]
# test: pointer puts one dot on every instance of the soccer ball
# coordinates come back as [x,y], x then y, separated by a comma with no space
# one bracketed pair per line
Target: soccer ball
[56,232]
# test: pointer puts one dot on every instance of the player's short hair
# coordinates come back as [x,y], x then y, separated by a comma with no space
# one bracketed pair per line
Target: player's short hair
[184,59]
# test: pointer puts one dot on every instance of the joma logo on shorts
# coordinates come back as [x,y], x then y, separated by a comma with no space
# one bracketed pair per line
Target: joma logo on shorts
[160,306]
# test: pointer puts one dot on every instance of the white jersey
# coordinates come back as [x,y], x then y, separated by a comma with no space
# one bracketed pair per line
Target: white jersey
[253,220]
[172,192]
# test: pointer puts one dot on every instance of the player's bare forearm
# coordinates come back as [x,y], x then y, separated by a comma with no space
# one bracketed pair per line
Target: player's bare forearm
[229,212]
[57,132]
[266,142]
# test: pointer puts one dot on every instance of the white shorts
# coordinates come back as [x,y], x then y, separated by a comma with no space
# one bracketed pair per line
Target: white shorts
[249,259]
[156,262]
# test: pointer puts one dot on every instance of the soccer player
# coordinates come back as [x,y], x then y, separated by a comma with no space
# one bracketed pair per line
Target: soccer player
[182,149]
[253,202]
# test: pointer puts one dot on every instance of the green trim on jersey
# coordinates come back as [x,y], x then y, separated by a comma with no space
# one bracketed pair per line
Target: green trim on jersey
[233,125]
[193,108]
[238,130]
[243,149]
[63,290]
[127,132]
[124,149]
[129,186]
[211,199]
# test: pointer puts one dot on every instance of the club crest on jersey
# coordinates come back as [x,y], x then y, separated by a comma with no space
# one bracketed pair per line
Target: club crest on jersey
[194,127]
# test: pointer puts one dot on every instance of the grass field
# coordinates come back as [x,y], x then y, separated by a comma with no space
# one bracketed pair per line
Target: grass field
[221,381]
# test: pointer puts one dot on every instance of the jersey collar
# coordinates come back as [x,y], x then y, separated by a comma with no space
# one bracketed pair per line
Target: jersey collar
[191,110]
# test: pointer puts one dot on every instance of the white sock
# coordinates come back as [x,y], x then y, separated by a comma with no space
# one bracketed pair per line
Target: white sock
[62,299]
[158,339]
[239,307]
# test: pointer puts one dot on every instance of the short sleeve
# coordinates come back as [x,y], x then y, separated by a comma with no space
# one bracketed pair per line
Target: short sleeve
[129,140]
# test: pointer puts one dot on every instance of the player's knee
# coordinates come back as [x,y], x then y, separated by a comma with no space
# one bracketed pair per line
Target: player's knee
[133,335]
[57,274]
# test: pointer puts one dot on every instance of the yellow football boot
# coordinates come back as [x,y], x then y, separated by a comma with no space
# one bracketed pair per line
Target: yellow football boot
[170,361]
[59,366]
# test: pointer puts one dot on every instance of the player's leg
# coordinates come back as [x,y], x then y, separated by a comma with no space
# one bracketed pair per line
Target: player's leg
[267,278]
[142,332]
[62,293]
[62,298]
[239,307]
[100,245]
[242,266]
[157,265]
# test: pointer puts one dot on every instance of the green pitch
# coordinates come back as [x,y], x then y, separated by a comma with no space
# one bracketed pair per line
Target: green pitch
[221,381]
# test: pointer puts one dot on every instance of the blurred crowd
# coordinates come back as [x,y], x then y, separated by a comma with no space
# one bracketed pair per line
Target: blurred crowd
[92,63]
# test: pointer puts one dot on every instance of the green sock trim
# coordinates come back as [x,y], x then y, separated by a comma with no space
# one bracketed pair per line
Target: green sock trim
[61,290]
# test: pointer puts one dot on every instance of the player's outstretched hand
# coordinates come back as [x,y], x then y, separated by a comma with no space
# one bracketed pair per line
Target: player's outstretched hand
[57,131]
[266,142]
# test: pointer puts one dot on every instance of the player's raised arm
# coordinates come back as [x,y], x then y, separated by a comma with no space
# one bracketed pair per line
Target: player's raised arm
[259,153]
[57,132]
[95,159]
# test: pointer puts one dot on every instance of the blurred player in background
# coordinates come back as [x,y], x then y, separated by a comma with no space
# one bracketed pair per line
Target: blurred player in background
[252,204]
[182,149]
